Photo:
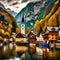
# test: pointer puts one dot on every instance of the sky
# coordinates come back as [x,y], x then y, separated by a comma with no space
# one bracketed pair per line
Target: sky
[16,5]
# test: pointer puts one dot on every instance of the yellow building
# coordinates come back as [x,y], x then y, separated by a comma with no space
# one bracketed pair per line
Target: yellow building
[54,37]
[53,33]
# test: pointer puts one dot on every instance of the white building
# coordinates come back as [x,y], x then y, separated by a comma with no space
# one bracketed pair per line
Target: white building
[23,26]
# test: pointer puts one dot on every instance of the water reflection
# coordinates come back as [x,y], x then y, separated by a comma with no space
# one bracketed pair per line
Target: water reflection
[54,54]
[14,52]
[6,52]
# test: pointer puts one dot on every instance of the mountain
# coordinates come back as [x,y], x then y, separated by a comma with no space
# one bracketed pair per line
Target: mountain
[6,17]
[11,12]
[52,18]
[32,12]
[2,6]
[48,8]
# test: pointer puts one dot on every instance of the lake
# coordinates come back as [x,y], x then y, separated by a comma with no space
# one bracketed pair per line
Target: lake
[14,52]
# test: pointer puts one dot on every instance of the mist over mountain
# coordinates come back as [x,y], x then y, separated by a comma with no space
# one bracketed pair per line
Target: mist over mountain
[13,13]
[2,6]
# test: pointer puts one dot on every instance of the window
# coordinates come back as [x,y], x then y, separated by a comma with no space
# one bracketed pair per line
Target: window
[52,37]
[55,37]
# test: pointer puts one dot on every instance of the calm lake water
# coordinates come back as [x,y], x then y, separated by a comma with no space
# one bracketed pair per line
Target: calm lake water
[14,52]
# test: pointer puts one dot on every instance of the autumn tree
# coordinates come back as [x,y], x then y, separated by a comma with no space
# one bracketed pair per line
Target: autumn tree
[18,30]
[28,30]
[50,19]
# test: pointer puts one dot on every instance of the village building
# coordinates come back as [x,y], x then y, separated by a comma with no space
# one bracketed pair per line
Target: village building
[58,41]
[32,37]
[45,36]
[40,39]
[53,33]
[20,38]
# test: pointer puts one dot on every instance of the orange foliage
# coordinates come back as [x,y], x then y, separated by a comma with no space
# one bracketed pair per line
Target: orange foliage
[18,30]
[37,25]
[53,19]
[1,25]
[49,20]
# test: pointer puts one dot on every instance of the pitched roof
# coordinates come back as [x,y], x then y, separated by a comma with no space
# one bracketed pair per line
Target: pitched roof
[33,33]
[19,35]
[53,28]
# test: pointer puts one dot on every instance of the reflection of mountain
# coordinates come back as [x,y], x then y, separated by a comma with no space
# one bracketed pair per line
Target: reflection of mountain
[32,12]
[52,18]
[11,12]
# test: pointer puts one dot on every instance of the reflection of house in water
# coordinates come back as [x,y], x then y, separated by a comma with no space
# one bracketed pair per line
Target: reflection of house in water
[52,54]
[21,48]
[6,52]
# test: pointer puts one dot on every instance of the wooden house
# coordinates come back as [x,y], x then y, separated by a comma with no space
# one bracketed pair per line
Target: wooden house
[32,37]
[52,33]
[20,38]
[45,36]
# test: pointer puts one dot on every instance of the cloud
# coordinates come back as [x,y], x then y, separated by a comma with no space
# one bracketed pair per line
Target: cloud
[34,0]
[15,3]
[29,1]
[24,1]
[9,0]
[11,12]
[1,5]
